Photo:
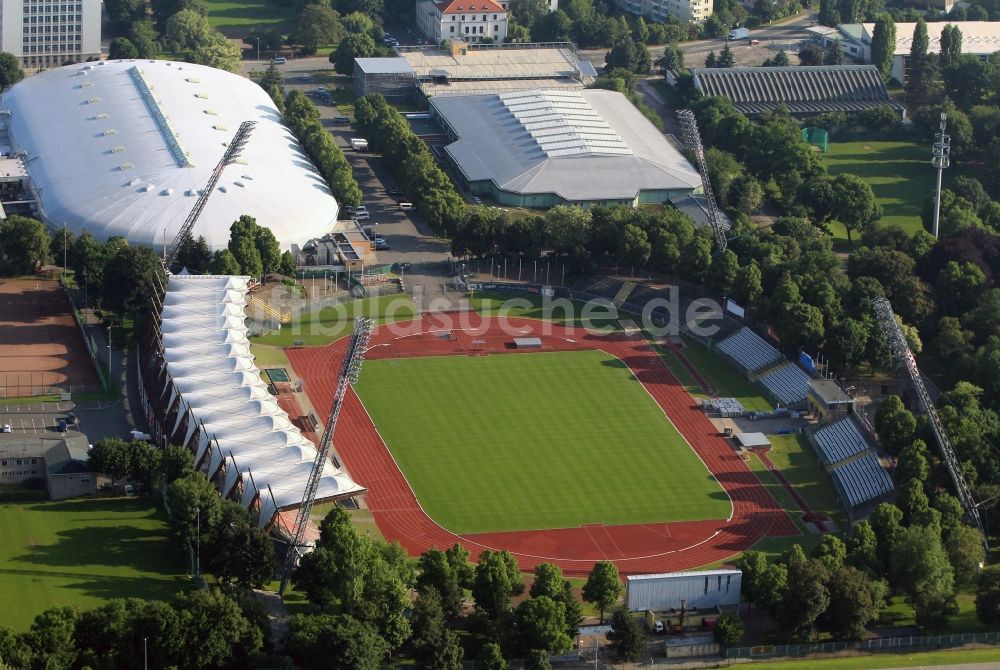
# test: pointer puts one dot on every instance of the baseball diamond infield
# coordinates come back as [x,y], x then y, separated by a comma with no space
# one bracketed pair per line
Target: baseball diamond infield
[40,343]
[658,544]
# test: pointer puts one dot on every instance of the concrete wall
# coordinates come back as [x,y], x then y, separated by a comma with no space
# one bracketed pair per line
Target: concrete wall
[72,486]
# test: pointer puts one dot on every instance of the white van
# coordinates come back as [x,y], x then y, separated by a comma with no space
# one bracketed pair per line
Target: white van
[279,60]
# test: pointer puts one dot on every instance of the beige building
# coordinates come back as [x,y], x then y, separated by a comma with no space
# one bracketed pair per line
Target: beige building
[49,33]
[21,460]
[473,21]
[60,461]
[685,11]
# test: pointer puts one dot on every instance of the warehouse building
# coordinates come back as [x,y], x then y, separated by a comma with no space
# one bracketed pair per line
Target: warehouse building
[123,148]
[801,90]
[705,589]
[463,68]
[544,148]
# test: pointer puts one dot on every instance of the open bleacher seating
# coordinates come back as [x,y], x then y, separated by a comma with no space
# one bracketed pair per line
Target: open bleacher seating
[861,484]
[787,383]
[749,351]
[839,441]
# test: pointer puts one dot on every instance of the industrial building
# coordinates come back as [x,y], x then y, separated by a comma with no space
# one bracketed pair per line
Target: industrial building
[704,589]
[979,38]
[801,90]
[472,68]
[123,148]
[42,33]
[685,11]
[545,147]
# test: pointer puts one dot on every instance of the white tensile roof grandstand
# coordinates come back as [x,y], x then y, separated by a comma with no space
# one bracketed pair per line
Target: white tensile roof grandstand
[122,148]
[225,413]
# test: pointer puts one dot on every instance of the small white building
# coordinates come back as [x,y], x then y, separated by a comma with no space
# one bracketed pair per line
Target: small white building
[691,590]
[43,33]
[472,21]
[685,11]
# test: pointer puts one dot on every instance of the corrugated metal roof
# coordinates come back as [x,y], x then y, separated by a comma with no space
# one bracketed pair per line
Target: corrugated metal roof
[693,573]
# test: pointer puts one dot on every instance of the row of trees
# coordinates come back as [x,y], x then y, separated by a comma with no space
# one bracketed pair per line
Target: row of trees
[303,118]
[411,163]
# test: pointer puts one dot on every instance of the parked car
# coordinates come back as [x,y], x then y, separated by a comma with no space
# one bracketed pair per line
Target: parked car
[279,60]
[381,244]
[129,490]
[62,426]
[754,43]
[7,428]
[395,191]
[406,205]
[139,435]
[342,120]
[361,216]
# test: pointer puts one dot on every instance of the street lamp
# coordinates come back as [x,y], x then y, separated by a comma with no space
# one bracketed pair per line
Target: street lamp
[258,49]
[145,655]
[109,354]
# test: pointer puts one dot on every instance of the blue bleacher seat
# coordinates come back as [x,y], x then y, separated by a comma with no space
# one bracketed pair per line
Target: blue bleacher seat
[749,351]
[788,383]
[839,441]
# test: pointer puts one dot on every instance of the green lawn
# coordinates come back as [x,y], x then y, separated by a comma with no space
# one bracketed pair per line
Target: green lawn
[330,323]
[873,661]
[556,310]
[724,378]
[900,173]
[799,464]
[82,553]
[777,491]
[532,441]
[228,14]
[900,613]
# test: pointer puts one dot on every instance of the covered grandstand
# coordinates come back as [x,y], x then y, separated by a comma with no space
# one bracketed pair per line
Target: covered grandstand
[787,383]
[542,148]
[204,391]
[857,473]
[749,351]
[799,89]
[122,148]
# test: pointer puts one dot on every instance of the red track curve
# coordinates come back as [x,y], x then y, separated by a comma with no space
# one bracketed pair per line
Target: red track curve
[634,548]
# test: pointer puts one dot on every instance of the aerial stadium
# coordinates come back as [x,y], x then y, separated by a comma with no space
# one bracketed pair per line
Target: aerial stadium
[147,135]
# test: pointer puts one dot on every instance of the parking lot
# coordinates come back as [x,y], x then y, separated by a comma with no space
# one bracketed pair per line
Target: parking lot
[32,418]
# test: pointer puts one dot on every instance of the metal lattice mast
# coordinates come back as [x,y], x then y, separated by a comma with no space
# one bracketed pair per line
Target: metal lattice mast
[940,159]
[692,138]
[228,158]
[901,352]
[349,371]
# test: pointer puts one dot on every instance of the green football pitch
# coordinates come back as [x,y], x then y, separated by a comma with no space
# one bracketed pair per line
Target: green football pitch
[535,441]
[82,553]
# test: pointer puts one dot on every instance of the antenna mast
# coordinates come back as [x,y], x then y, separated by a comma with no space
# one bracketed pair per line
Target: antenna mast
[692,138]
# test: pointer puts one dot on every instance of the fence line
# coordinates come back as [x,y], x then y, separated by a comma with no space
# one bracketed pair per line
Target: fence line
[95,359]
[873,645]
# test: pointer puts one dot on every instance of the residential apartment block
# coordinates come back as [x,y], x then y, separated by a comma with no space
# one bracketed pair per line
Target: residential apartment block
[686,11]
[48,33]
[470,20]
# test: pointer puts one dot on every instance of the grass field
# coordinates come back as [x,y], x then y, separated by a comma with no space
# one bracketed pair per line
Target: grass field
[899,173]
[82,553]
[497,303]
[801,468]
[544,440]
[724,378]
[330,323]
[248,14]
[874,661]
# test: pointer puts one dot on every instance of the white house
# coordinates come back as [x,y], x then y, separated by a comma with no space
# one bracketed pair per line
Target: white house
[469,20]
[48,33]
[685,11]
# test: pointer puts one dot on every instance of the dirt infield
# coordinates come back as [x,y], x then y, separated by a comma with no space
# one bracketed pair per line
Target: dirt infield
[40,344]
[634,548]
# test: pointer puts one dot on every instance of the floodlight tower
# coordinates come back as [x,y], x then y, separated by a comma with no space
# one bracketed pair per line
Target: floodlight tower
[350,369]
[692,138]
[940,159]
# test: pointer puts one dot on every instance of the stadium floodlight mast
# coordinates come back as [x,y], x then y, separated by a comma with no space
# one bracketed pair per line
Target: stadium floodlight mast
[229,157]
[904,357]
[350,370]
[692,138]
[940,159]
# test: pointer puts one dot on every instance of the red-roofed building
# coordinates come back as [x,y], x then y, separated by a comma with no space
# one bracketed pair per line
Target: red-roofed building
[469,20]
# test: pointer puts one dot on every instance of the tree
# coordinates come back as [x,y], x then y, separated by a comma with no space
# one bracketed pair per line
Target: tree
[435,572]
[626,54]
[318,642]
[497,579]
[317,25]
[122,48]
[919,44]
[855,204]
[603,587]
[800,325]
[810,54]
[143,35]
[862,549]
[111,456]
[726,58]
[433,645]
[780,59]
[214,631]
[236,551]
[724,271]
[729,630]
[831,552]
[988,596]
[894,424]
[696,260]
[855,602]
[24,242]
[711,60]
[964,546]
[224,263]
[354,45]
[912,463]
[491,657]
[334,573]
[51,641]
[538,659]
[633,246]
[846,343]
[10,71]
[131,276]
[626,635]
[754,565]
[193,501]
[194,254]
[749,284]
[920,568]
[540,623]
[243,246]
[883,44]
[673,58]
[951,45]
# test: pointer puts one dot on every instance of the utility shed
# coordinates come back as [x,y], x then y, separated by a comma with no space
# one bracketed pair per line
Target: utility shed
[692,590]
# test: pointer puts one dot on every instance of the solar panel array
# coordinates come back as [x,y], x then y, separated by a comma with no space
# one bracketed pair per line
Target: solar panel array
[562,123]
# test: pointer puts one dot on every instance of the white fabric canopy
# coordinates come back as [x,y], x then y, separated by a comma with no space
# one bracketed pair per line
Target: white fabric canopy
[211,369]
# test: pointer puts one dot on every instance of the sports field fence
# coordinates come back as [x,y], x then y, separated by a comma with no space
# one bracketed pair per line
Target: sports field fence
[877,644]
[88,339]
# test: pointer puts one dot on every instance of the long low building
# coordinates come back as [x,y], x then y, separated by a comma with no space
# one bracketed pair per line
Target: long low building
[543,148]
[123,148]
[801,90]
[209,397]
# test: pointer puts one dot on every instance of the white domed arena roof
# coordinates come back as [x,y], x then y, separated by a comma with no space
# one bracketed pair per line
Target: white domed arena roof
[123,148]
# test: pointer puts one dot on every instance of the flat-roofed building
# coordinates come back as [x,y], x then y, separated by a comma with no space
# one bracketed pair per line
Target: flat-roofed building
[546,147]
[43,33]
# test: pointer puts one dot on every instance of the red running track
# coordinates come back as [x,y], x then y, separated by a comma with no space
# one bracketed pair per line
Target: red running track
[634,548]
